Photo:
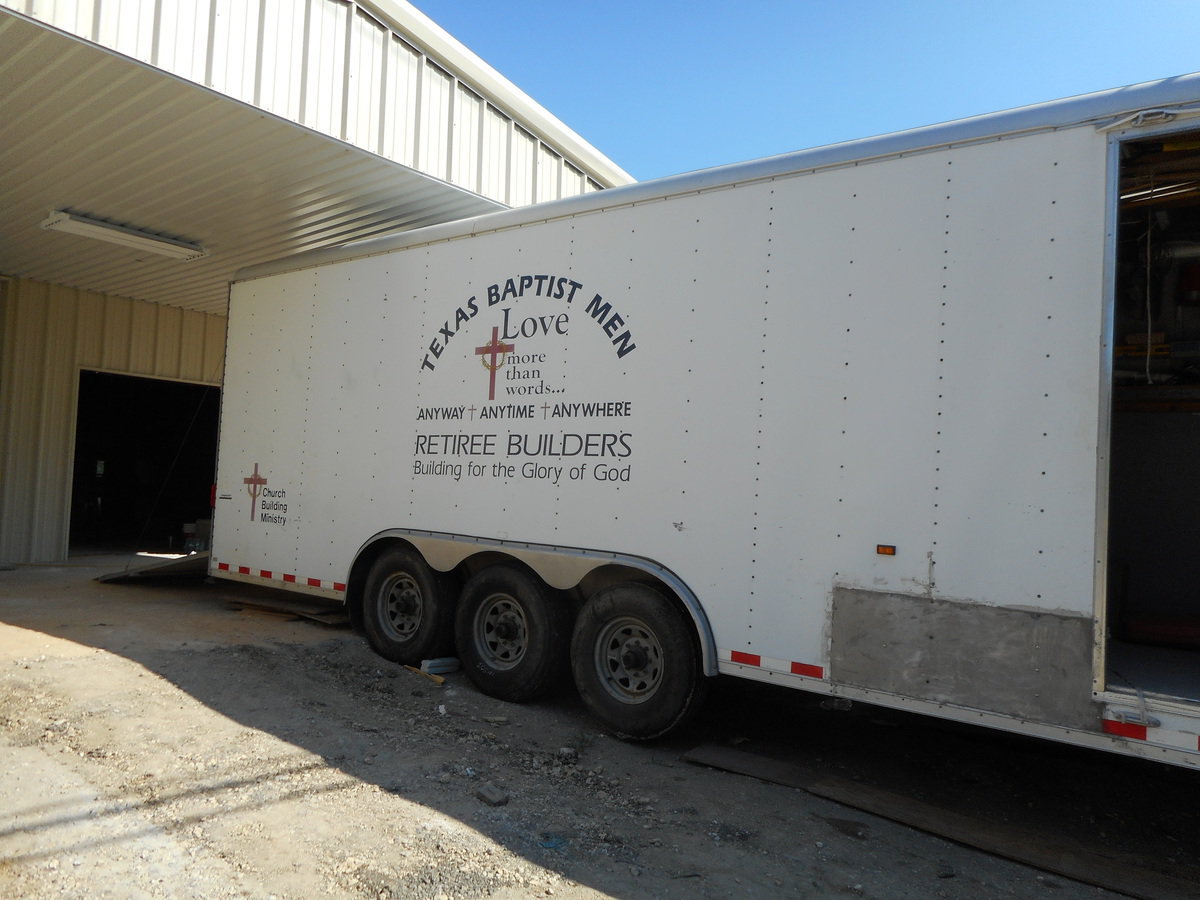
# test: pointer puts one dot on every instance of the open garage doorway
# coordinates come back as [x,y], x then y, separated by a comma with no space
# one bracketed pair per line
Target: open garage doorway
[145,458]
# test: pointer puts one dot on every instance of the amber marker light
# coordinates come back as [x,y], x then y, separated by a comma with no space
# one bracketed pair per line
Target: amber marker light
[885,549]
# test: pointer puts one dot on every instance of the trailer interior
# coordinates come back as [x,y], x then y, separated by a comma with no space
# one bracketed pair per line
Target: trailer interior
[1153,591]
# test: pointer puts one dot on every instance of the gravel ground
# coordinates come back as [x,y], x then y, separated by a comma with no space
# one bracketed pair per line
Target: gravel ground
[158,743]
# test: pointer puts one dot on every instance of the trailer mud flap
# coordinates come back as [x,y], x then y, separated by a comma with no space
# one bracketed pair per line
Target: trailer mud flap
[1031,665]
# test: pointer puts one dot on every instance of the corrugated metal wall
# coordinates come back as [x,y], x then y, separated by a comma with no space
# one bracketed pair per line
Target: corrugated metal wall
[47,335]
[335,67]
[387,81]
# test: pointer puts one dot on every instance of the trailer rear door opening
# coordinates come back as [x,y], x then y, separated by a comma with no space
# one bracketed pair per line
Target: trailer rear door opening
[1153,579]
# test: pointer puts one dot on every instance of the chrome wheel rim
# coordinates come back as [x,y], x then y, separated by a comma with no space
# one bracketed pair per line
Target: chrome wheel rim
[629,660]
[501,632]
[402,606]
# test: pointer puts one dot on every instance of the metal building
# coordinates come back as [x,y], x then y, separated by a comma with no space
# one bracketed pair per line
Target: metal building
[151,148]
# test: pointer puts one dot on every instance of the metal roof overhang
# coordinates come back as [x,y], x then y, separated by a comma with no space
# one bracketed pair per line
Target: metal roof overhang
[96,133]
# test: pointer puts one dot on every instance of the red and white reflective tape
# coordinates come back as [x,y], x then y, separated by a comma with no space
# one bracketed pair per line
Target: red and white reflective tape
[1162,736]
[282,577]
[1132,730]
[790,667]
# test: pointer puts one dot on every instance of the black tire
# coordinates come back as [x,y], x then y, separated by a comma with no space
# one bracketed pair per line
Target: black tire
[636,662]
[407,608]
[512,634]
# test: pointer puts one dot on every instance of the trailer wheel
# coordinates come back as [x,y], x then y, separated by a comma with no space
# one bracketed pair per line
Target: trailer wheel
[407,610]
[636,662]
[511,634]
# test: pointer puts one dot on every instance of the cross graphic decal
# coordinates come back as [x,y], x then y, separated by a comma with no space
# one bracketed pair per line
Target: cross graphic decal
[488,353]
[254,484]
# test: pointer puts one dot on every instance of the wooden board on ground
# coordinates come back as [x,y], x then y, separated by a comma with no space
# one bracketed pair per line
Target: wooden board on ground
[333,614]
[1055,853]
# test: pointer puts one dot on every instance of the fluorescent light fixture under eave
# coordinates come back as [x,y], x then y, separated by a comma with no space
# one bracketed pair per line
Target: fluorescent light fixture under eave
[73,223]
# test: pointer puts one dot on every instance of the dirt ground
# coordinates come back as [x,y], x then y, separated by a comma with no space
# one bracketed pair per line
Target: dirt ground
[157,742]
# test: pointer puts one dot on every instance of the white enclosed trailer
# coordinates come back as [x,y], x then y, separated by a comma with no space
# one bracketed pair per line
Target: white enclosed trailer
[909,420]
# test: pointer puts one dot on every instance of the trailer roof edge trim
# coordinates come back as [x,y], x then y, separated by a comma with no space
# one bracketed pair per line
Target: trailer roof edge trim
[1075,111]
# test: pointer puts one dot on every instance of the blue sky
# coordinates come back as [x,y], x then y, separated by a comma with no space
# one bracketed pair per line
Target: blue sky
[663,87]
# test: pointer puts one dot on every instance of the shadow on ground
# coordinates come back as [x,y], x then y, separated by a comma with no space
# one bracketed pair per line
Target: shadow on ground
[627,820]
